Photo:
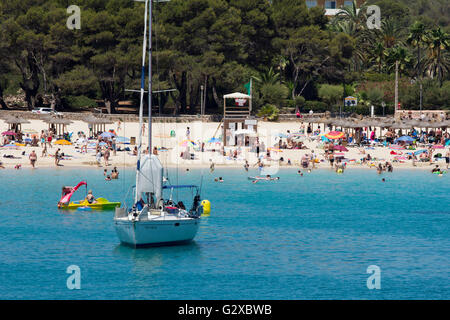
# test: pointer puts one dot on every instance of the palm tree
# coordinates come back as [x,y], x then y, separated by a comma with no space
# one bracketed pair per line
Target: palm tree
[378,52]
[438,63]
[352,14]
[391,33]
[268,77]
[417,37]
[399,57]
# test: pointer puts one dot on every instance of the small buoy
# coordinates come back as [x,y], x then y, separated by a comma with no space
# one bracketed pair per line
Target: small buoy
[206,207]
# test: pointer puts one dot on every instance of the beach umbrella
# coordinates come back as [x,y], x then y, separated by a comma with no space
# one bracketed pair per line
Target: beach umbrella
[438,146]
[10,145]
[407,139]
[52,119]
[324,120]
[282,135]
[340,148]
[15,120]
[275,149]
[123,140]
[335,135]
[299,138]
[185,143]
[401,125]
[297,134]
[420,151]
[244,131]
[63,142]
[29,131]
[440,124]
[396,147]
[214,140]
[107,135]
[9,133]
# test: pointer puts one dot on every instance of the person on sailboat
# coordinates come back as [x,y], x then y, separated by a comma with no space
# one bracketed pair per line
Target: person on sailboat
[180,205]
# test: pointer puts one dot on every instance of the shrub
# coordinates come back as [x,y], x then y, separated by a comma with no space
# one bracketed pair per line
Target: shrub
[274,93]
[269,111]
[79,102]
[331,94]
[316,106]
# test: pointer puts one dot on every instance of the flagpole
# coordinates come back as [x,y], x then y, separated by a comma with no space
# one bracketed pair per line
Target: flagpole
[250,95]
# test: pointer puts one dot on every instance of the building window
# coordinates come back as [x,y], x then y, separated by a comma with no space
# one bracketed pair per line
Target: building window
[348,3]
[330,4]
[312,3]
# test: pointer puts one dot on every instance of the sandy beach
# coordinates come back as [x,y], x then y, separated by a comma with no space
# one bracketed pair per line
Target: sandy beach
[199,132]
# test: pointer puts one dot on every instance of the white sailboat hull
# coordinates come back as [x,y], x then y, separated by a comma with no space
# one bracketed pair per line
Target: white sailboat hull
[156,232]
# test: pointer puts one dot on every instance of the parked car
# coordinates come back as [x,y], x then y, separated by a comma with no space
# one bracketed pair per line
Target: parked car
[45,111]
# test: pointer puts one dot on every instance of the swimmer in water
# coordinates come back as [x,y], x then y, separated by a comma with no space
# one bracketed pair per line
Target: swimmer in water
[108,178]
[246,165]
[300,173]
[220,179]
[384,180]
[211,167]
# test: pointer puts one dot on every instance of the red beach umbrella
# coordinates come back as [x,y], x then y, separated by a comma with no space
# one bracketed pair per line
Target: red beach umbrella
[340,148]
[9,133]
[335,135]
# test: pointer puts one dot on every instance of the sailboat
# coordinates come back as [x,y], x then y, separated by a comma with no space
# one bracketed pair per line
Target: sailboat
[154,220]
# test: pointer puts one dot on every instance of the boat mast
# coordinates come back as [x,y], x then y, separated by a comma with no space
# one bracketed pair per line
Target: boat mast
[150,78]
[141,111]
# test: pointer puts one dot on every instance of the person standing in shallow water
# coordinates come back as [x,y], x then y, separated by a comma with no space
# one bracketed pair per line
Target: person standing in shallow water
[33,158]
[447,157]
[57,157]
[106,156]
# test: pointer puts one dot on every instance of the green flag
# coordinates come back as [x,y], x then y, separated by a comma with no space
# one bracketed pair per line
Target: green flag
[247,86]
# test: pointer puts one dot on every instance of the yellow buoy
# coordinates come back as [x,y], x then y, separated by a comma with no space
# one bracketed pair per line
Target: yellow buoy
[206,207]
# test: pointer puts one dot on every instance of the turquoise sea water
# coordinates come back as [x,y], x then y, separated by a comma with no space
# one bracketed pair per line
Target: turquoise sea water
[309,237]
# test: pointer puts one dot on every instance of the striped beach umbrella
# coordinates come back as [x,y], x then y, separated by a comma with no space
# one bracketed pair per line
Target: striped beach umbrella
[185,143]
[63,142]
[335,135]
[396,147]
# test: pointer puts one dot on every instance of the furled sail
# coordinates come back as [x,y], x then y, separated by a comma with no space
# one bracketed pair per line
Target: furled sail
[150,176]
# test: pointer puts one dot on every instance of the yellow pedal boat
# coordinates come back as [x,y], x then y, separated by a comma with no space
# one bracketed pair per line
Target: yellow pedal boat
[100,204]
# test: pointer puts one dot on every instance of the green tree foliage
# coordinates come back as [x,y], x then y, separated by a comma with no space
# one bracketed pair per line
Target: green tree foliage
[286,48]
[269,111]
[331,94]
